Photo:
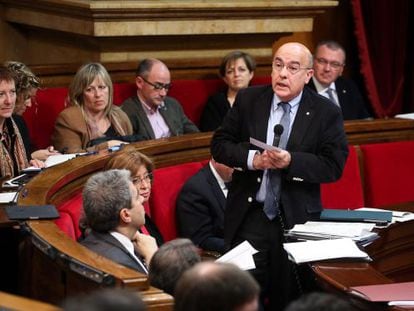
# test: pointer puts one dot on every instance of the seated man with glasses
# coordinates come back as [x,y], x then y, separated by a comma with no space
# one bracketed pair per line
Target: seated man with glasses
[327,80]
[152,113]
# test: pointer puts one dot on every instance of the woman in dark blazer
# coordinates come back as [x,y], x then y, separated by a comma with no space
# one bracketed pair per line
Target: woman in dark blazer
[237,70]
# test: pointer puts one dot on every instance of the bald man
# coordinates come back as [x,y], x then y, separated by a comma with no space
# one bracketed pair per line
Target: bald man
[274,190]
[152,113]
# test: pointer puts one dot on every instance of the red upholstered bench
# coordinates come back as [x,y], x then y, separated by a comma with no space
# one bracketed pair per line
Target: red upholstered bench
[388,173]
[192,94]
[347,192]
[168,181]
[70,212]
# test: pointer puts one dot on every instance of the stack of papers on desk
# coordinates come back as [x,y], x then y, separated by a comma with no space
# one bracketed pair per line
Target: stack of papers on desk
[301,252]
[319,230]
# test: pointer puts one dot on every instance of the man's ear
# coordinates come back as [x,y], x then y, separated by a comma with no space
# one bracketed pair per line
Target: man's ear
[138,82]
[125,215]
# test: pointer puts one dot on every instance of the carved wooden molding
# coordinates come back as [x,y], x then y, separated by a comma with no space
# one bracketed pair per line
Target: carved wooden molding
[166,17]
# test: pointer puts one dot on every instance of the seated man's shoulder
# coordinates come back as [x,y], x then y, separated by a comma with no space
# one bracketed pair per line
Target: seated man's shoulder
[130,101]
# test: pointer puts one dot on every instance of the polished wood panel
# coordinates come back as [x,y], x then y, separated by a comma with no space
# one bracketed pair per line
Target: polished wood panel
[13,302]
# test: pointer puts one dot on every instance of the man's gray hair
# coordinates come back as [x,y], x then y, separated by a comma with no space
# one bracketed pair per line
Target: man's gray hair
[105,194]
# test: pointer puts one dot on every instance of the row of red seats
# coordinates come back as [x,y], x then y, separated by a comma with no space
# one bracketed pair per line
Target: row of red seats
[375,175]
[192,94]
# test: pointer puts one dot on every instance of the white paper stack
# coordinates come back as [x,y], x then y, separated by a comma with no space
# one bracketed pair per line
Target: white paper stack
[308,251]
[319,230]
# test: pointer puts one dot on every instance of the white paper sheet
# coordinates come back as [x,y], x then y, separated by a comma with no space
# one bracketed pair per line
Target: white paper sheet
[241,256]
[7,197]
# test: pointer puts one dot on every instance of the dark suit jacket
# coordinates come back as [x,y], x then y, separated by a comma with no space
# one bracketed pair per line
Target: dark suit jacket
[317,145]
[106,245]
[214,111]
[350,99]
[172,112]
[200,211]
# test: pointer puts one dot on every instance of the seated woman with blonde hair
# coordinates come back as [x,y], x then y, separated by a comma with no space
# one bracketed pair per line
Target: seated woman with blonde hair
[92,122]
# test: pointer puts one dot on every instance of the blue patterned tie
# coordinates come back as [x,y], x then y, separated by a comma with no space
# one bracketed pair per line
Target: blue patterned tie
[271,202]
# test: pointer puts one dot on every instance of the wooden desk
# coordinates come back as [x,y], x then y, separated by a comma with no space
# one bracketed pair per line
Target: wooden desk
[393,261]
[12,302]
[57,266]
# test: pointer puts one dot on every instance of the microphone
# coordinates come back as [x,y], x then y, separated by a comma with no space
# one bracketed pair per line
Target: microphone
[277,130]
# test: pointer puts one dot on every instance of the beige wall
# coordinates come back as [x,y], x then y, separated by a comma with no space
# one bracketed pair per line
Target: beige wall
[61,46]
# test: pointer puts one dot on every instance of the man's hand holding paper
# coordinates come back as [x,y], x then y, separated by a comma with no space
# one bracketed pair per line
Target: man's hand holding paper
[271,158]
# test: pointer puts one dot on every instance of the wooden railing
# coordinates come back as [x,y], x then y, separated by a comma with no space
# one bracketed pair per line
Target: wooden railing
[56,266]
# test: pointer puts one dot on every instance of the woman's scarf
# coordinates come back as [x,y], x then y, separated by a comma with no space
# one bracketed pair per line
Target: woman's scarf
[14,159]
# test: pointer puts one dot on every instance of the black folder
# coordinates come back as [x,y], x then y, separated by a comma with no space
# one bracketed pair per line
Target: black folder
[28,212]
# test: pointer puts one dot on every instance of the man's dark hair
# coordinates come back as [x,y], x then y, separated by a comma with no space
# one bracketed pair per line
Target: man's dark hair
[144,67]
[212,286]
[320,302]
[170,261]
[233,56]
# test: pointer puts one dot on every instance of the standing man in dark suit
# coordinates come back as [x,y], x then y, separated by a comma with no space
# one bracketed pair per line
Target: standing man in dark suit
[114,211]
[200,206]
[260,205]
[152,113]
[329,62]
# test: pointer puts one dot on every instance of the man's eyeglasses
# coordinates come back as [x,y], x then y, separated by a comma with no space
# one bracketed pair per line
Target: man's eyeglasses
[324,62]
[137,180]
[158,86]
[293,68]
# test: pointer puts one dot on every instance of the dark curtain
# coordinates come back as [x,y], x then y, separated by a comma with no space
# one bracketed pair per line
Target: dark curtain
[386,53]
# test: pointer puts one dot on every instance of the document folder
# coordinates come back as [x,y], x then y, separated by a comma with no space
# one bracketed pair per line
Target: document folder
[386,292]
[378,217]
[28,212]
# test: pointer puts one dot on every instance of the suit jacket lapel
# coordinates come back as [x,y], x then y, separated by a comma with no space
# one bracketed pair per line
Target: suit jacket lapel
[262,111]
[218,193]
[302,121]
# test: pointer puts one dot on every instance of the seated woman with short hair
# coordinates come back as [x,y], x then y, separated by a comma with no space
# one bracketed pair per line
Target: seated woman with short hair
[27,84]
[13,154]
[237,70]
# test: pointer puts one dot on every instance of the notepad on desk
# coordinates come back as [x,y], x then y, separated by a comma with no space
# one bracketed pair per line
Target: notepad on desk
[377,217]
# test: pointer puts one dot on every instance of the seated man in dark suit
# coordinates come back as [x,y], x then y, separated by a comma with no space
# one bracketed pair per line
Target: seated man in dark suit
[327,80]
[114,211]
[200,206]
[152,113]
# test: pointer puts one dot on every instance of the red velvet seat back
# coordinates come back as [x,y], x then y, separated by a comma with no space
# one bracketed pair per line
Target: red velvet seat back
[348,191]
[388,173]
[192,94]
[70,212]
[41,117]
[168,181]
